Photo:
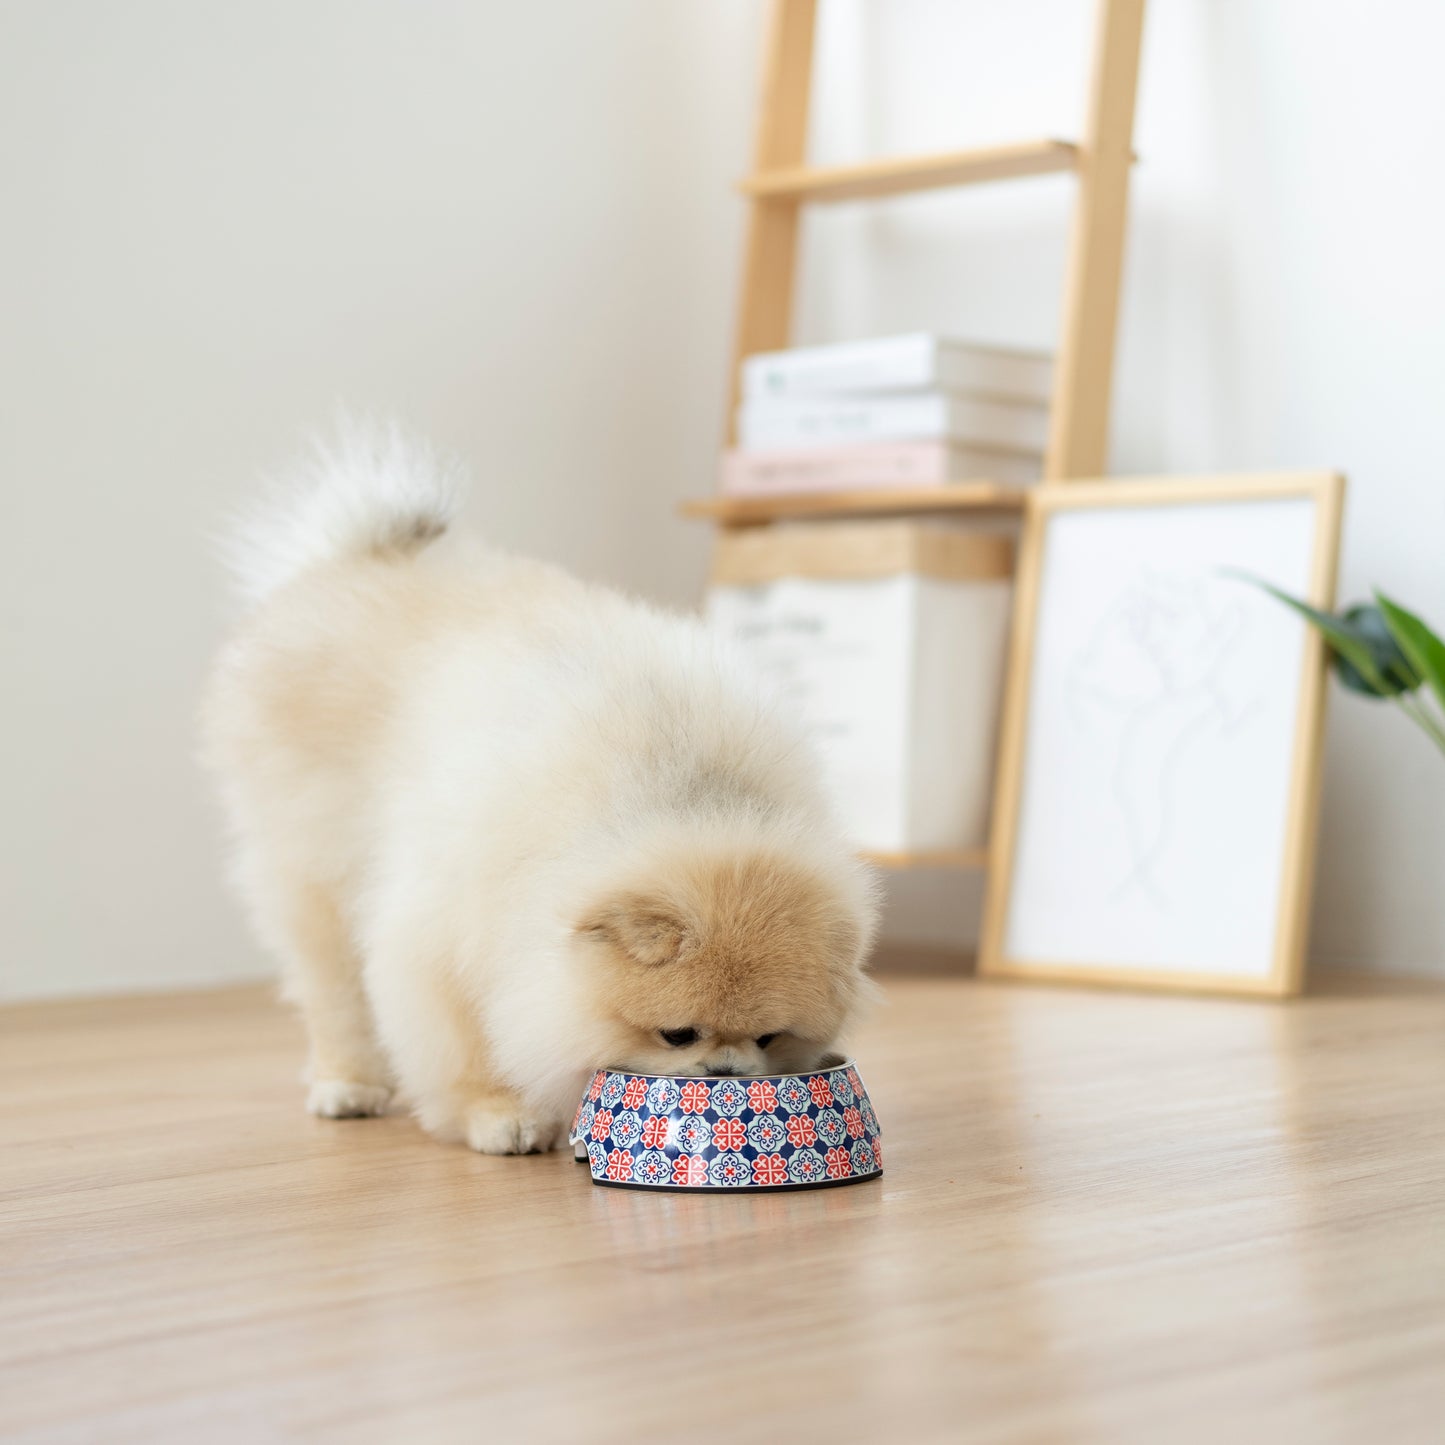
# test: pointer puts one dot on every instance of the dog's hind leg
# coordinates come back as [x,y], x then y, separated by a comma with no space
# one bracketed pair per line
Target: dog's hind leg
[347,1071]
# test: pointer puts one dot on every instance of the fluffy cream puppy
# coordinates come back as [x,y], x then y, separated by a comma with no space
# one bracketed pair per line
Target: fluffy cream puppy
[502,826]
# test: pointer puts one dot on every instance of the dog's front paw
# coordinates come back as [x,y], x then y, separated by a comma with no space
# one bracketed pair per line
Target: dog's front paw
[347,1099]
[499,1127]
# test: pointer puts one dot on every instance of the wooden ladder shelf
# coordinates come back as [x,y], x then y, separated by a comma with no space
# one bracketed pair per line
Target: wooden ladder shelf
[782,183]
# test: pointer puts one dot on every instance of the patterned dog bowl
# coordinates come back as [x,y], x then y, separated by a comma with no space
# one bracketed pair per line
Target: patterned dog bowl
[773,1131]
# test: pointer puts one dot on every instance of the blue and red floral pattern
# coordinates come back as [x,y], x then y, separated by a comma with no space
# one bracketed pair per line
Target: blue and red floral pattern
[687,1170]
[693,1134]
[729,1170]
[729,1133]
[770,1170]
[782,1132]
[766,1133]
[806,1167]
[583,1122]
[652,1167]
[729,1098]
[801,1131]
[793,1095]
[626,1128]
[870,1119]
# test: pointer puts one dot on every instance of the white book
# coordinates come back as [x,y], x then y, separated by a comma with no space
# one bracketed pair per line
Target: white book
[871,466]
[772,422]
[917,361]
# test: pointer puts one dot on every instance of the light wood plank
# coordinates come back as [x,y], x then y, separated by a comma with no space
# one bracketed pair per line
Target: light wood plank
[1079,421]
[1307,755]
[981,496]
[902,175]
[1104,1218]
[949,858]
[765,306]
[861,550]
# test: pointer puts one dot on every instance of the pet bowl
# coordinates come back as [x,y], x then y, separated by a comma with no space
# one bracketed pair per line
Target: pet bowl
[765,1132]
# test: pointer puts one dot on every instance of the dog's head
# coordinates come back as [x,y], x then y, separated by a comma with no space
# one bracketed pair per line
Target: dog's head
[727,959]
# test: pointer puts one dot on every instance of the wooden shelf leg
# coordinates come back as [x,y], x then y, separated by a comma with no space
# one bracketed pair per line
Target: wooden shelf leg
[766,311]
[1079,422]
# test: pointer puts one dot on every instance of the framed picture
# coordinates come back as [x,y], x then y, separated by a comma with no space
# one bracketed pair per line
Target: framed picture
[1159,762]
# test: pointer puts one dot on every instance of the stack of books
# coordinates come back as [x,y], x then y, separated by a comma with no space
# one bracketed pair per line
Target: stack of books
[896,411]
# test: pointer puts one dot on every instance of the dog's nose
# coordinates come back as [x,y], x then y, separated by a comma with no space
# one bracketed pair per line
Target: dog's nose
[725,1071]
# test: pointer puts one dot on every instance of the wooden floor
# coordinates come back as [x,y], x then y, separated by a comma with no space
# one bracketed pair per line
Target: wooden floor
[1105,1218]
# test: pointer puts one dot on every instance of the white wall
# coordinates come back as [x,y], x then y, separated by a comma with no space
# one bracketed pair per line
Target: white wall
[511,224]
[507,223]
[1284,307]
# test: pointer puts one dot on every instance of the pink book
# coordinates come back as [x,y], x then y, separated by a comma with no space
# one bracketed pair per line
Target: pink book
[859,466]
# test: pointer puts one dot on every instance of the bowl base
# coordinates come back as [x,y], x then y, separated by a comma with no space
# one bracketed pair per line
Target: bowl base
[736,1188]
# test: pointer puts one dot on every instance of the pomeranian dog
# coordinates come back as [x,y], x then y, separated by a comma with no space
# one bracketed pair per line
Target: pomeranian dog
[502,827]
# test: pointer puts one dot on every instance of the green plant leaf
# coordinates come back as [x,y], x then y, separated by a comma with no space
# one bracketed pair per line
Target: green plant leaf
[1419,644]
[1368,623]
[1366,657]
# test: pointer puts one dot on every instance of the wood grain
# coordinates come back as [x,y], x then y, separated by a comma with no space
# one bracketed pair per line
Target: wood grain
[951,858]
[980,496]
[902,175]
[765,304]
[1083,390]
[1105,1218]
[861,551]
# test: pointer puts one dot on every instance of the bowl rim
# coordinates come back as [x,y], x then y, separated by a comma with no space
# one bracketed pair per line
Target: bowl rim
[823,1068]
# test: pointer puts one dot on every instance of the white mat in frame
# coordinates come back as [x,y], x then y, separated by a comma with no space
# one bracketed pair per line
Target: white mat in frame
[1159,765]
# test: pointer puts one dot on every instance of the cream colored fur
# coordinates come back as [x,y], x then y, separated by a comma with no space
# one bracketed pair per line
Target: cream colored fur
[501,826]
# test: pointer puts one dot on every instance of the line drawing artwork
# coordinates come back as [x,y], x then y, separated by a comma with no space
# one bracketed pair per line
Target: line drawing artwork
[1156,677]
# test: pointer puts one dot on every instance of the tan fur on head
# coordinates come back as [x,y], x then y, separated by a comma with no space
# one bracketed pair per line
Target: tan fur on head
[502,827]
[735,945]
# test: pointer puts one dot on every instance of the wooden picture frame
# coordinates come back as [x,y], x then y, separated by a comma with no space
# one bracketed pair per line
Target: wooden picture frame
[1090,891]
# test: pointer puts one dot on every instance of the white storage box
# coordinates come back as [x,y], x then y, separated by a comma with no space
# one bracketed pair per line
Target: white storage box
[888,640]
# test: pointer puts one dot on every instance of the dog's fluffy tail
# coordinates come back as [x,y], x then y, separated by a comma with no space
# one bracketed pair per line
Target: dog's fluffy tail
[369,489]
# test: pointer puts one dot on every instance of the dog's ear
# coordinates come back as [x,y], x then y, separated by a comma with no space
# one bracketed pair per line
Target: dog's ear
[645,929]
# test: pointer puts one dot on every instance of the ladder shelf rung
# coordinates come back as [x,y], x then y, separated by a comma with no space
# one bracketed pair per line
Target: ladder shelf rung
[742,511]
[934,858]
[898,176]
